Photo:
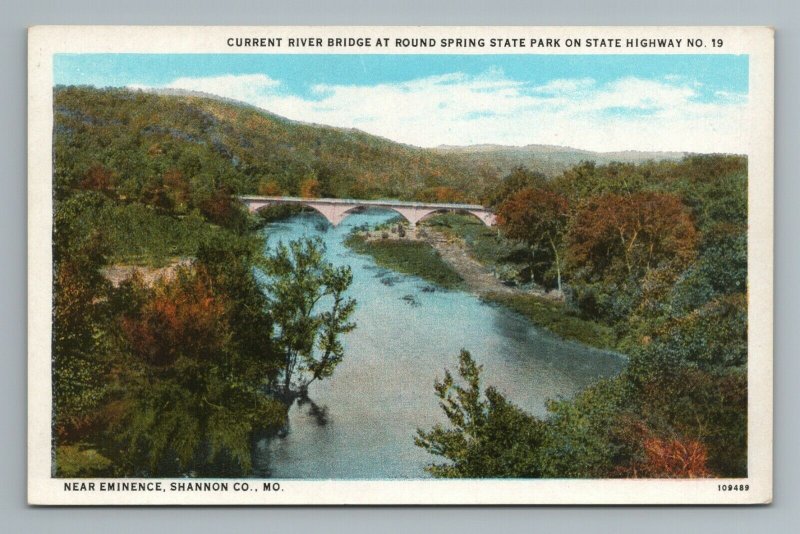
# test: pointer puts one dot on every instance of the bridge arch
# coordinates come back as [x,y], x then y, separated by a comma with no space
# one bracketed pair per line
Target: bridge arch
[332,216]
[485,217]
[335,214]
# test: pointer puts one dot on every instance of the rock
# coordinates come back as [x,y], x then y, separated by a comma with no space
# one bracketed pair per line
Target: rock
[389,281]
[411,299]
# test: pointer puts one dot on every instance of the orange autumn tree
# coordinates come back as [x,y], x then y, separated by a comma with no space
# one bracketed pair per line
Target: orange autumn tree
[674,458]
[614,237]
[309,188]
[659,454]
[182,318]
[537,217]
[270,188]
[666,457]
[190,393]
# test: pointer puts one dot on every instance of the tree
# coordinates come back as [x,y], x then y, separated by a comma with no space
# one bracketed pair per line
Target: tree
[627,250]
[189,394]
[520,178]
[618,236]
[269,188]
[310,312]
[99,178]
[489,437]
[79,290]
[181,319]
[177,187]
[673,458]
[537,217]
[309,188]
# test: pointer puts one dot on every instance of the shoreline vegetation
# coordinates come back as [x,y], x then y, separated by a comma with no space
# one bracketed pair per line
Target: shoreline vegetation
[407,256]
[177,375]
[438,251]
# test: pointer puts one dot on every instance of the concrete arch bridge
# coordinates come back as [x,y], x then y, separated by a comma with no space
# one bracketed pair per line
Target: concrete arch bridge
[336,209]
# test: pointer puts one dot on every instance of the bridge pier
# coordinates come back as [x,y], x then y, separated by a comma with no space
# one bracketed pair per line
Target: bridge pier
[413,214]
[334,213]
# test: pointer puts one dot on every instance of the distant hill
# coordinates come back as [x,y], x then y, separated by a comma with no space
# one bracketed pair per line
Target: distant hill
[547,159]
[148,140]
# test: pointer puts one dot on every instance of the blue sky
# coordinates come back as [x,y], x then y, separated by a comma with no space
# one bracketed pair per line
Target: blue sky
[598,102]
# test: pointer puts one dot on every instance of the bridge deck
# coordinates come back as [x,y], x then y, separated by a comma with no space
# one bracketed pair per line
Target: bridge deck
[362,202]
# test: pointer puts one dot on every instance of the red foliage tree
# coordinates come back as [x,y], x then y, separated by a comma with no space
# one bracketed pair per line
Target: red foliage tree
[99,178]
[619,236]
[674,458]
[183,317]
[538,217]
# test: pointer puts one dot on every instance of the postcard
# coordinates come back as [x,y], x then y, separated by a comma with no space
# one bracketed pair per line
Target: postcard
[400,265]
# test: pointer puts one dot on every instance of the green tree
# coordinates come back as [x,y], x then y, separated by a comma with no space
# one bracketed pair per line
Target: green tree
[79,338]
[188,392]
[310,312]
[520,178]
[488,437]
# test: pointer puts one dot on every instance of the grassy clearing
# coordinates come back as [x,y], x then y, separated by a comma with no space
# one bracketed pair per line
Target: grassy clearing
[136,234]
[554,317]
[485,244]
[139,236]
[409,257]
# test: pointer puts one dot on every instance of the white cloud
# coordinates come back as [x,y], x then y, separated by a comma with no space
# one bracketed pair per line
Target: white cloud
[457,109]
[245,87]
[565,86]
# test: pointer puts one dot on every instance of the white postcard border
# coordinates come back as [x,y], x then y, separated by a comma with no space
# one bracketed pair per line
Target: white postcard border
[757,42]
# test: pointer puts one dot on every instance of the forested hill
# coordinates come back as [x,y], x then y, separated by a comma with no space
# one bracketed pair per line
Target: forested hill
[494,160]
[238,147]
[146,140]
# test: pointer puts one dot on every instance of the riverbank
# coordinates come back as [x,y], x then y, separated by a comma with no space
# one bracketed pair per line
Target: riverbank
[408,256]
[458,255]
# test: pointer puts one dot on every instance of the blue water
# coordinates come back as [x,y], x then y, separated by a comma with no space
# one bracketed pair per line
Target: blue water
[362,421]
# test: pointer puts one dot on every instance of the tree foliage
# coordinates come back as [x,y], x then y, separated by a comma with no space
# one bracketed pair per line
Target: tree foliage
[657,252]
[520,178]
[310,311]
[538,217]
[614,237]
[488,437]
[599,434]
[144,138]
[189,392]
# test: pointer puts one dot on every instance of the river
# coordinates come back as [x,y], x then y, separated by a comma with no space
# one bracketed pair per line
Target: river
[362,421]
